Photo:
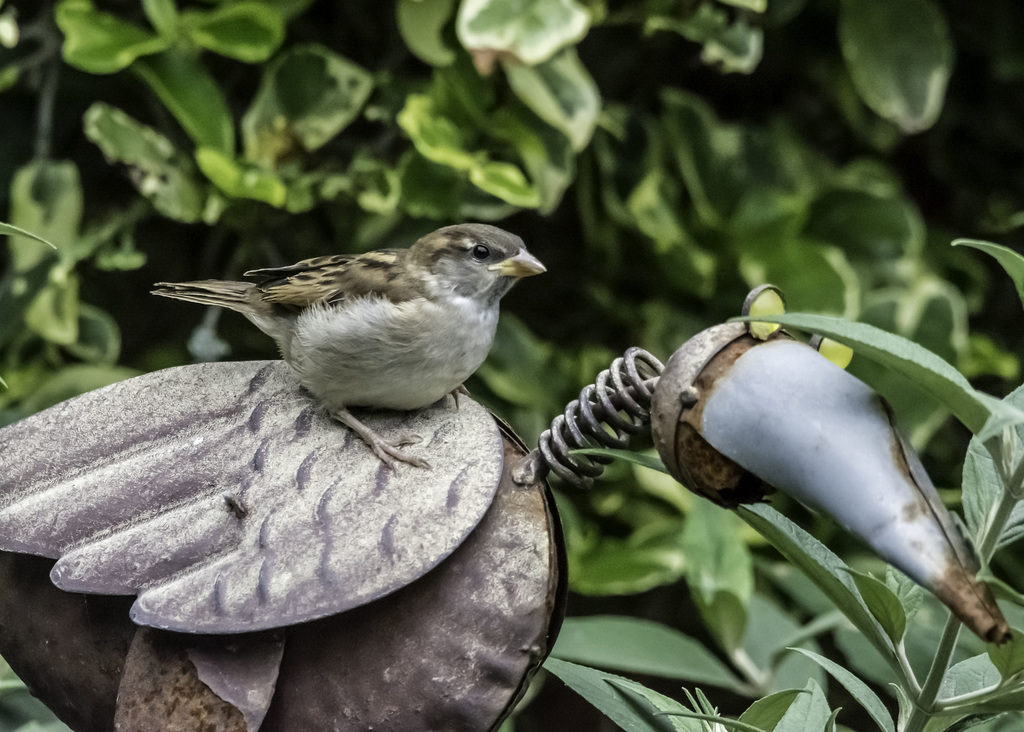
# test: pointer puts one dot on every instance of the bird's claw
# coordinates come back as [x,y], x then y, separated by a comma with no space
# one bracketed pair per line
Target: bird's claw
[390,452]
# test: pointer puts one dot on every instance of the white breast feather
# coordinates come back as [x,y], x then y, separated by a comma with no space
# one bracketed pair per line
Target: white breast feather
[372,352]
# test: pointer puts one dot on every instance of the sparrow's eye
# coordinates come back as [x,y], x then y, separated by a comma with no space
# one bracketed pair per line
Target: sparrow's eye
[480,252]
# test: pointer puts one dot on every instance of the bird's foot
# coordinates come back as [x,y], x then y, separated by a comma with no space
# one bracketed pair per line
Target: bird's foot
[389,451]
[459,390]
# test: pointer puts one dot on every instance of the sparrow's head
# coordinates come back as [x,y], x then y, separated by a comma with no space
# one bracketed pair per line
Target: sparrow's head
[475,260]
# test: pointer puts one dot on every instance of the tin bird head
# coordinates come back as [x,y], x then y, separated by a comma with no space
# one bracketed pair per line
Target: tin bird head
[742,409]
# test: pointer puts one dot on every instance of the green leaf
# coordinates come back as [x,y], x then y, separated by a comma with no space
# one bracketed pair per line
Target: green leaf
[734,46]
[815,275]
[597,688]
[53,314]
[883,604]
[650,557]
[505,181]
[241,181]
[900,56]
[1010,260]
[429,190]
[159,171]
[246,31]
[421,23]
[163,15]
[17,291]
[435,137]
[307,96]
[865,225]
[641,646]
[708,154]
[929,372]
[808,711]
[46,199]
[101,43]
[857,688]
[969,676]
[768,711]
[719,571]
[1008,657]
[9,76]
[531,31]
[907,591]
[828,572]
[561,92]
[190,93]
[99,339]
[11,230]
[546,153]
[637,458]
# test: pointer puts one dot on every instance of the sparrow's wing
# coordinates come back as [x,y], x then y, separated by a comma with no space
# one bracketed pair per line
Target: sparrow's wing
[223,496]
[333,279]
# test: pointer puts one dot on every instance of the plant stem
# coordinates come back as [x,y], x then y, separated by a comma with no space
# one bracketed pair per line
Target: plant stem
[1000,513]
[924,704]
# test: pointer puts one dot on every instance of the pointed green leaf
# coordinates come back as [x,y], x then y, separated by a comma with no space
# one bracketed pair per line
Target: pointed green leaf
[719,571]
[637,458]
[10,230]
[163,15]
[1011,261]
[596,687]
[857,688]
[929,372]
[808,711]
[1008,657]
[768,711]
[101,43]
[190,93]
[900,56]
[641,646]
[828,572]
[561,92]
[982,487]
[883,604]
[532,31]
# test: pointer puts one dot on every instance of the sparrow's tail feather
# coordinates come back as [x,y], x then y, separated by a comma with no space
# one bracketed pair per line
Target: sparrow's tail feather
[232,295]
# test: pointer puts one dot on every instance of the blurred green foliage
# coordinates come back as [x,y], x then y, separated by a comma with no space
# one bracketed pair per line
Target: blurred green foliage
[662,157]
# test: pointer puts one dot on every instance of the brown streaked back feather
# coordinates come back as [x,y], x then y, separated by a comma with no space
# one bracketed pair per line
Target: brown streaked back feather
[332,279]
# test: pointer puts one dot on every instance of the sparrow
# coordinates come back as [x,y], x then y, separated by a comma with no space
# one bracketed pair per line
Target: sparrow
[389,329]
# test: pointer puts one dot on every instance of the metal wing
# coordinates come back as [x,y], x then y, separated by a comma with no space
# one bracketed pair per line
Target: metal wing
[223,496]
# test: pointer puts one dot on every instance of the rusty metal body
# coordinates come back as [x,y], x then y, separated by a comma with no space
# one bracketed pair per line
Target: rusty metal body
[308,586]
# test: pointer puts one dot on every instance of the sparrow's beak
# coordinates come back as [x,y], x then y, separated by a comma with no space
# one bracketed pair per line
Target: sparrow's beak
[522,264]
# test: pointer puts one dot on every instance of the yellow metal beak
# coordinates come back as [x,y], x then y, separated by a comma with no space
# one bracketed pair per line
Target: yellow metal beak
[523,264]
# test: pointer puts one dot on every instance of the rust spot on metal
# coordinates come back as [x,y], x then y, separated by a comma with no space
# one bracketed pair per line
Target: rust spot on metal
[698,465]
[711,474]
[973,603]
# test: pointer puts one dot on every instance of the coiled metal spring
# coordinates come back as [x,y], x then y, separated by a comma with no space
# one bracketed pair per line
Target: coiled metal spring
[619,399]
